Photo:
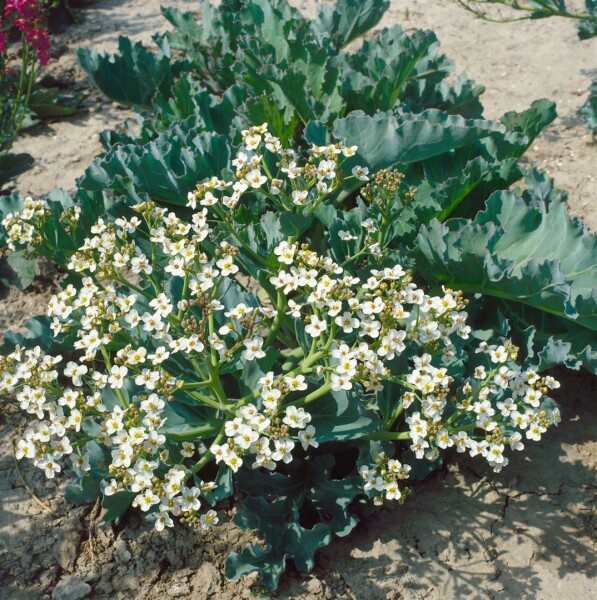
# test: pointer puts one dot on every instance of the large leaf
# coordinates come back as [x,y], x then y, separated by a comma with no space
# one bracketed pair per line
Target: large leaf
[523,249]
[131,77]
[284,539]
[394,67]
[347,20]
[311,504]
[37,332]
[165,169]
[385,139]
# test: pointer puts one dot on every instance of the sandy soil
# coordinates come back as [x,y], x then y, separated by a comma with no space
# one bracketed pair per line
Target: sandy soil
[465,533]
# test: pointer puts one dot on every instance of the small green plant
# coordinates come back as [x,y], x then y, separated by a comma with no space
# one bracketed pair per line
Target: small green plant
[318,397]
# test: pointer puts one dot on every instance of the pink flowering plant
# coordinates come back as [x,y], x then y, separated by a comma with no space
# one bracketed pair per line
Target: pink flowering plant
[236,347]
[24,46]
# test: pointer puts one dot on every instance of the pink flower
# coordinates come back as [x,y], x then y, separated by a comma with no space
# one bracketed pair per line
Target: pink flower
[29,19]
[30,9]
[40,42]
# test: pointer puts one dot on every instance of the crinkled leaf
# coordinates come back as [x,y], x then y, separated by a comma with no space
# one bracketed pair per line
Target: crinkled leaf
[83,492]
[131,77]
[284,539]
[189,98]
[165,169]
[22,269]
[347,20]
[254,370]
[281,117]
[332,497]
[270,225]
[224,485]
[37,333]
[385,139]
[187,421]
[523,249]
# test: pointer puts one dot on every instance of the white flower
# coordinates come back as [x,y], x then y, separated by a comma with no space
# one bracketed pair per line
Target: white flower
[285,252]
[227,266]
[49,465]
[283,450]
[117,375]
[307,437]
[299,197]
[233,461]
[392,491]
[209,519]
[190,499]
[146,500]
[296,383]
[25,448]
[255,179]
[346,236]
[296,417]
[163,520]
[316,326]
[340,382]
[361,173]
[245,437]
[253,349]
[75,372]
[499,355]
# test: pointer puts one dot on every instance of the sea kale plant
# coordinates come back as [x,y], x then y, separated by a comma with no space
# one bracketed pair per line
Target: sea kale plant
[253,61]
[306,316]
[233,347]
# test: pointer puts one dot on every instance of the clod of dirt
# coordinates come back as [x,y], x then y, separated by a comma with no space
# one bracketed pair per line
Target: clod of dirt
[71,588]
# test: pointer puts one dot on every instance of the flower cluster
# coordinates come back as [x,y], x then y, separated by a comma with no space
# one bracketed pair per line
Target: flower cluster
[488,414]
[253,432]
[165,328]
[28,17]
[295,185]
[383,479]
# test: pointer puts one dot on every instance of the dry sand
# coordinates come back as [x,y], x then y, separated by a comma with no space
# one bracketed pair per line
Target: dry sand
[466,533]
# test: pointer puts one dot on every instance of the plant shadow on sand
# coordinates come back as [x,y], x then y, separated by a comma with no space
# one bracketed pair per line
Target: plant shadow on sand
[465,532]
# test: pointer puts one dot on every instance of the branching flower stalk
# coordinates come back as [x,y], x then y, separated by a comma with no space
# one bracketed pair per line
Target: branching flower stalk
[165,329]
[531,9]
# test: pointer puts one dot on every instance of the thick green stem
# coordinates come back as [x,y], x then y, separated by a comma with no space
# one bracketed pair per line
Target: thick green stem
[208,455]
[280,305]
[318,393]
[108,362]
[388,435]
[205,399]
